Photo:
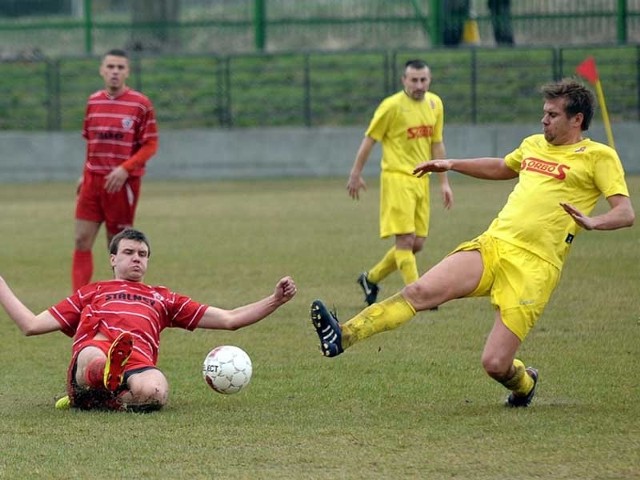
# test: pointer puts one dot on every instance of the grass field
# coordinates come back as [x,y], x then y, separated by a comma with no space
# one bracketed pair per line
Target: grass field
[411,403]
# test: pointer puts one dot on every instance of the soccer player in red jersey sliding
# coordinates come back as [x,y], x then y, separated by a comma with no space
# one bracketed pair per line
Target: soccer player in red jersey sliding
[116,326]
[121,133]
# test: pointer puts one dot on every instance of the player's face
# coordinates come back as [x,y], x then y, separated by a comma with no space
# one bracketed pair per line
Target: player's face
[114,71]
[557,127]
[416,82]
[130,261]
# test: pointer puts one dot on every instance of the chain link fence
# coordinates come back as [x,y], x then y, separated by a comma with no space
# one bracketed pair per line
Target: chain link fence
[53,28]
[479,85]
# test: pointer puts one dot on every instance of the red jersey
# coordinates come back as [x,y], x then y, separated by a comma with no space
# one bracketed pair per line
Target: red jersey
[115,128]
[114,306]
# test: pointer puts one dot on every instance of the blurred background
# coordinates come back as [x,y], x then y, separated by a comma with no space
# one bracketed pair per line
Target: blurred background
[234,64]
[336,57]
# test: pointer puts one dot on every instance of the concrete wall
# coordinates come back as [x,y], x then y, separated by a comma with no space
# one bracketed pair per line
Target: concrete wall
[267,152]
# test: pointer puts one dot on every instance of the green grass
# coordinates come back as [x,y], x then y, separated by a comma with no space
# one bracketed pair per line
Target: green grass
[411,403]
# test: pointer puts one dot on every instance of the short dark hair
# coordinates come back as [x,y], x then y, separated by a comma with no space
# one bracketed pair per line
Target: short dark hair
[117,52]
[578,99]
[128,234]
[415,64]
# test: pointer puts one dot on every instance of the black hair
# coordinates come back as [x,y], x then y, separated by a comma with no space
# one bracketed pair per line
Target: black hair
[578,99]
[415,64]
[117,52]
[128,234]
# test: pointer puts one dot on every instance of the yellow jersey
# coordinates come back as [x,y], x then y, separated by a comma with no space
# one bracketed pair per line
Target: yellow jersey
[406,128]
[549,174]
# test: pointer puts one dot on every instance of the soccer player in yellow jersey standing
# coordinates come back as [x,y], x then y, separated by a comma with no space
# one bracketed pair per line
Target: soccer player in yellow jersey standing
[517,261]
[409,126]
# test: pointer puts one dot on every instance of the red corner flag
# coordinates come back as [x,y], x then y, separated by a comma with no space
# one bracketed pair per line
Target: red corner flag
[588,70]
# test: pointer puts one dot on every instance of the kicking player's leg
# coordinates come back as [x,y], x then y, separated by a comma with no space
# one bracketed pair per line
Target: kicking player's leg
[456,276]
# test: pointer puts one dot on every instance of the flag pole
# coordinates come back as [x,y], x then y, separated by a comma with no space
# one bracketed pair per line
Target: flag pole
[587,69]
[605,114]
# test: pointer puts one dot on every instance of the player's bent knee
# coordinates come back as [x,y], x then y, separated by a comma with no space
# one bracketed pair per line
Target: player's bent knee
[150,393]
[420,296]
[413,294]
[149,387]
[496,367]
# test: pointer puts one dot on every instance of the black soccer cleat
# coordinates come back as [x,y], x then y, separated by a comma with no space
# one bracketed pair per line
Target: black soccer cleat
[370,289]
[328,329]
[516,401]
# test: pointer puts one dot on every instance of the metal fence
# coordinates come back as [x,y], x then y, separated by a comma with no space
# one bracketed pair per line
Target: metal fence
[478,85]
[54,28]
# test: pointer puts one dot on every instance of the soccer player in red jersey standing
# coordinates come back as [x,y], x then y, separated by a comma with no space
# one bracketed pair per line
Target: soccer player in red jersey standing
[116,326]
[121,133]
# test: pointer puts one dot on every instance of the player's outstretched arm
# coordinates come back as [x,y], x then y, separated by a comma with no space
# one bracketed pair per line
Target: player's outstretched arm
[28,322]
[489,168]
[221,319]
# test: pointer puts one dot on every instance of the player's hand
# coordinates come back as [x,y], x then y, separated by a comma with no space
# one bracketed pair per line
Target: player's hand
[447,196]
[432,166]
[354,185]
[114,181]
[285,290]
[578,217]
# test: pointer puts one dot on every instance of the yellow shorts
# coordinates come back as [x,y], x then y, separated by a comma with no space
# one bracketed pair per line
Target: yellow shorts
[518,282]
[404,205]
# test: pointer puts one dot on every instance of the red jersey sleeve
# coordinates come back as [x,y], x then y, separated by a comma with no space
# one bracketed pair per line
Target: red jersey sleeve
[184,312]
[68,313]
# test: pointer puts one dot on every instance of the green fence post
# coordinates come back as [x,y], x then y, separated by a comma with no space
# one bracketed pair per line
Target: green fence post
[424,20]
[260,22]
[435,20]
[54,120]
[228,110]
[621,17]
[474,86]
[136,69]
[638,81]
[88,27]
[306,92]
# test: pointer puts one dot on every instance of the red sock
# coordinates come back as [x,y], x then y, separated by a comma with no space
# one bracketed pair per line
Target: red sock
[81,268]
[94,374]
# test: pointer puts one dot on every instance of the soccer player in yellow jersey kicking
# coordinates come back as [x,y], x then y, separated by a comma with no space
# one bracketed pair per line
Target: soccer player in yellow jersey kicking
[517,261]
[409,126]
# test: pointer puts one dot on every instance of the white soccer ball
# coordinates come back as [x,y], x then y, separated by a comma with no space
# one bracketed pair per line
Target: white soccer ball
[227,369]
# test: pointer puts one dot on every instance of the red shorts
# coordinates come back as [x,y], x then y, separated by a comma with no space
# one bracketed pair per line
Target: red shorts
[117,210]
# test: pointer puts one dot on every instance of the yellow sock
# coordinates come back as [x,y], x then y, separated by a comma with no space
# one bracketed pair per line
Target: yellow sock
[379,317]
[384,267]
[406,263]
[520,383]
